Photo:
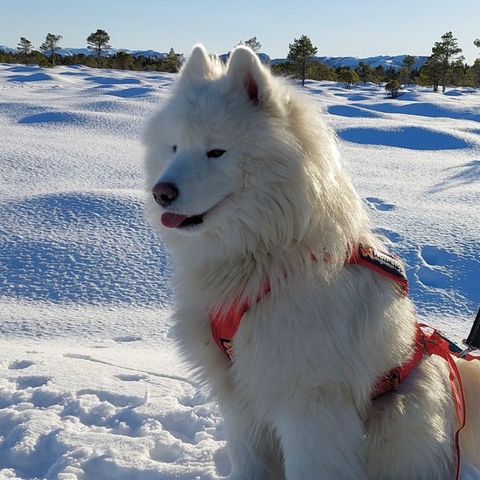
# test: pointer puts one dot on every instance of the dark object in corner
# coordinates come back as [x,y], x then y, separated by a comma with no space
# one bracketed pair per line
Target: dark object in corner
[473,340]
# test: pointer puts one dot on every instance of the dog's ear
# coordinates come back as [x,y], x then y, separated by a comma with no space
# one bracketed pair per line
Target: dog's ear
[246,72]
[198,67]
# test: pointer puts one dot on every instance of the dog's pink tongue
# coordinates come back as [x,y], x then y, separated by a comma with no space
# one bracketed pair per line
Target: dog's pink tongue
[172,220]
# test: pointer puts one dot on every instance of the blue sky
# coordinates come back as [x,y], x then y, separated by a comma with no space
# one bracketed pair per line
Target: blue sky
[337,27]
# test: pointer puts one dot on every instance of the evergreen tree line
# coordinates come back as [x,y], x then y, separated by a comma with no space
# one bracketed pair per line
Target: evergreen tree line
[98,42]
[445,66]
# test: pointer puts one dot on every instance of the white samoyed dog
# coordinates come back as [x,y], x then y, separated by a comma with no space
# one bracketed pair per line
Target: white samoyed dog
[249,192]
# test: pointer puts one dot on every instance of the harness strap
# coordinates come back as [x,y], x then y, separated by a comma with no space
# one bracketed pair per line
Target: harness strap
[225,323]
[391,381]
[436,344]
[382,263]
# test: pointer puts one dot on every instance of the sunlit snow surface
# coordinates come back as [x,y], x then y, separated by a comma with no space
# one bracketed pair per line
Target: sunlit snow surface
[90,385]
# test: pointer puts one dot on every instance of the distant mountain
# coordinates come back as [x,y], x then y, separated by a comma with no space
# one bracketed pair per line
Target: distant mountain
[147,53]
[3,48]
[264,58]
[385,61]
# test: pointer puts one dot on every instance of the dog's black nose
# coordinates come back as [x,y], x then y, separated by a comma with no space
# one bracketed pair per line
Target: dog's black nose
[165,193]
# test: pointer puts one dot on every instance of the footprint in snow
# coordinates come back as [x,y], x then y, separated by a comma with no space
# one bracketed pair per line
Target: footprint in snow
[166,453]
[433,255]
[379,204]
[125,377]
[433,278]
[128,338]
[32,381]
[80,356]
[115,399]
[20,364]
[433,272]
[222,462]
[390,235]
[193,400]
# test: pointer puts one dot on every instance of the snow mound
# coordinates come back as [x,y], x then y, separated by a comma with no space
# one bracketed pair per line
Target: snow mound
[424,109]
[114,80]
[34,77]
[23,68]
[414,138]
[351,111]
[132,92]
[51,117]
[58,242]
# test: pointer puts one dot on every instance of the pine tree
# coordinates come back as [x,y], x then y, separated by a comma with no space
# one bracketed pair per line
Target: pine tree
[475,73]
[51,46]
[458,73]
[365,72]
[319,71]
[392,87]
[408,63]
[25,47]
[348,77]
[173,61]
[252,43]
[124,60]
[283,69]
[378,75]
[431,74]
[403,76]
[98,42]
[300,54]
[475,69]
[445,53]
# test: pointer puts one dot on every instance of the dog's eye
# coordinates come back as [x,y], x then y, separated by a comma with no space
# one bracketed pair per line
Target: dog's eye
[174,148]
[215,153]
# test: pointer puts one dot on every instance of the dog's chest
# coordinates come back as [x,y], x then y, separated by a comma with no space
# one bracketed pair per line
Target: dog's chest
[289,340]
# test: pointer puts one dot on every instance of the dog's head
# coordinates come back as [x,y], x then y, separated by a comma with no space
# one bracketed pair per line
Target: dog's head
[237,157]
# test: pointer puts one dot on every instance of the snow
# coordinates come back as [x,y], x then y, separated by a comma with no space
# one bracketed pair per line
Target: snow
[91,387]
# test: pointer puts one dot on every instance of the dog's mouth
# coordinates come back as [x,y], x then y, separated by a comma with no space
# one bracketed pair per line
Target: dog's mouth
[175,220]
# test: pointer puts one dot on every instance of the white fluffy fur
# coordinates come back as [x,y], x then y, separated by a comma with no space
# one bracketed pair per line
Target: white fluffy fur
[296,401]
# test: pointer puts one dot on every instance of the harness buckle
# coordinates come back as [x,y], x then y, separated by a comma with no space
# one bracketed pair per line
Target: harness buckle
[395,380]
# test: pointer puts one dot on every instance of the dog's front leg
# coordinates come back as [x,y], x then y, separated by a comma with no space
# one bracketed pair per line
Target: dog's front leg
[322,440]
[253,450]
